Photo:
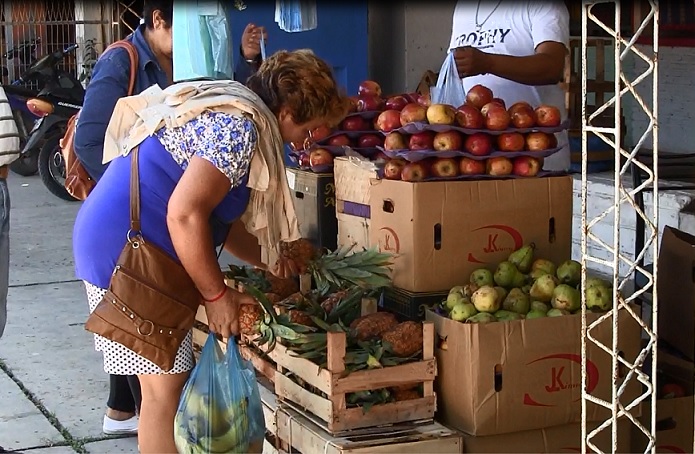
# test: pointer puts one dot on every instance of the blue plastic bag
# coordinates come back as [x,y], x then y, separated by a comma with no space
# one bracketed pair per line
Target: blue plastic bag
[202,42]
[449,88]
[296,15]
[220,409]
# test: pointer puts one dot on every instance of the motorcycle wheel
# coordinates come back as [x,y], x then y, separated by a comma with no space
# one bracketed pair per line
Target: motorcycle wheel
[52,167]
[26,165]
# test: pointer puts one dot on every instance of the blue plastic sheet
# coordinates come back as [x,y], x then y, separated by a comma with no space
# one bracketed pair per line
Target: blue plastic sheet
[202,42]
[220,409]
[296,15]
[449,88]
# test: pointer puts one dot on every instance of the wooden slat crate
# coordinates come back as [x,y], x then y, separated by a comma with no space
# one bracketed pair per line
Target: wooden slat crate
[295,432]
[332,411]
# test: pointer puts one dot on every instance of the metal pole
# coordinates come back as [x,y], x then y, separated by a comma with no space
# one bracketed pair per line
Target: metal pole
[619,265]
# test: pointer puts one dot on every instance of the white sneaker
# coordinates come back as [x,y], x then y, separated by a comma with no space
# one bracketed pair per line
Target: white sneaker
[114,427]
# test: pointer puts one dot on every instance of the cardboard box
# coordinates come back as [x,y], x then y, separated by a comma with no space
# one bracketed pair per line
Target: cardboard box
[676,289]
[314,201]
[674,416]
[557,439]
[353,230]
[443,230]
[353,180]
[526,374]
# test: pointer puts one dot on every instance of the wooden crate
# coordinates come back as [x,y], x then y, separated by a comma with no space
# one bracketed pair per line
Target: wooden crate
[332,412]
[295,432]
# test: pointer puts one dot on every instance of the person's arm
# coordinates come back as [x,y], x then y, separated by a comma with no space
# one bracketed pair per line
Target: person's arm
[244,69]
[545,67]
[109,83]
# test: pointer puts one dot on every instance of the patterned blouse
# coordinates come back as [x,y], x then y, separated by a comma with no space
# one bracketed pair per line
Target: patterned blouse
[226,141]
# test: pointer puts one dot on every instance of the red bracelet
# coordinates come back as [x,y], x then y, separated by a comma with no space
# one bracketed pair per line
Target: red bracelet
[218,297]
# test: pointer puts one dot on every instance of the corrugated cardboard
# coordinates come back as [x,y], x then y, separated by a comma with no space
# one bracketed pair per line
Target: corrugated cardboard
[521,375]
[352,179]
[674,417]
[353,230]
[676,286]
[443,230]
[557,439]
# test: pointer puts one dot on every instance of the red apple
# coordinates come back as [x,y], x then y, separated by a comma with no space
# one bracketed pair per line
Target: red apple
[395,141]
[522,117]
[548,116]
[478,96]
[520,105]
[497,118]
[424,100]
[397,102]
[500,101]
[320,157]
[369,87]
[478,144]
[416,171]
[468,116]
[355,123]
[445,167]
[320,133]
[484,110]
[388,120]
[341,140]
[412,97]
[499,166]
[511,141]
[413,113]
[538,141]
[303,160]
[369,103]
[393,168]
[353,104]
[441,114]
[423,140]
[370,141]
[468,166]
[450,141]
[526,166]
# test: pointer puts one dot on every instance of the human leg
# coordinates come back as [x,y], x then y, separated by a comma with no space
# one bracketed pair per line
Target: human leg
[160,399]
[120,417]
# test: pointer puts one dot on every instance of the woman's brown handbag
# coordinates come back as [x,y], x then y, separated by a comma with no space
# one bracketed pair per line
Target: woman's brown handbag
[151,302]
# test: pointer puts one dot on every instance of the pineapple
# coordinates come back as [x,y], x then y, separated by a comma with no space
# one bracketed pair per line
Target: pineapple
[281,287]
[372,326]
[302,252]
[330,303]
[273,297]
[249,316]
[405,339]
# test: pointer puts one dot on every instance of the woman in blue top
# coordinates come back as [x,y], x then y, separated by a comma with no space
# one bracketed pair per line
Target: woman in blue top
[193,190]
[153,43]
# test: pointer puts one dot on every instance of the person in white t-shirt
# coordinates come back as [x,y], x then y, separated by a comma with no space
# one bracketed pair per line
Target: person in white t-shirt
[517,49]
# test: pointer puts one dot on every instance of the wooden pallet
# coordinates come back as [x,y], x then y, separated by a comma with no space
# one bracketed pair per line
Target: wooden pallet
[293,431]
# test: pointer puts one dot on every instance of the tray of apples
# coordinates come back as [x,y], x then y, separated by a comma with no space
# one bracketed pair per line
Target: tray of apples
[370,101]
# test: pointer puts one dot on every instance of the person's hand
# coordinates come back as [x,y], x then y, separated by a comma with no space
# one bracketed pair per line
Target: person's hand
[471,61]
[251,41]
[223,314]
[285,268]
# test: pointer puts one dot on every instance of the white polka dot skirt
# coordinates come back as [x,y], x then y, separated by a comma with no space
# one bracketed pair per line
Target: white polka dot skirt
[119,360]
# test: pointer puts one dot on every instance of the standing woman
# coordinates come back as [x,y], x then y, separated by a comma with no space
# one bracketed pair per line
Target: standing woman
[211,167]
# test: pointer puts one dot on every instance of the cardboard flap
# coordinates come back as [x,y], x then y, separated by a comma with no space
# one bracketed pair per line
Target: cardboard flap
[676,290]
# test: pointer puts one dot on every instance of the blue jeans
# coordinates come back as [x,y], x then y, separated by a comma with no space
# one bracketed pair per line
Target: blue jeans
[4,250]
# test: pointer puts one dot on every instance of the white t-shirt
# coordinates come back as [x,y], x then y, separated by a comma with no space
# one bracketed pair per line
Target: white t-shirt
[515,28]
[9,136]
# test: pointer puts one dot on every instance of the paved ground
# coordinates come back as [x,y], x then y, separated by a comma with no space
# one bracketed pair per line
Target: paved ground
[52,386]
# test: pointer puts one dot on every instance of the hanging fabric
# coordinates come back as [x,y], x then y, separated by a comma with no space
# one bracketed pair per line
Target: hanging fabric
[296,15]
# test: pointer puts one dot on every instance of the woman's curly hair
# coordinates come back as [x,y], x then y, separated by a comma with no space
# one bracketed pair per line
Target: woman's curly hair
[304,83]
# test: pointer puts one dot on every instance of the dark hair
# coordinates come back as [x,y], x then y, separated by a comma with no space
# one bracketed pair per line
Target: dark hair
[302,82]
[165,6]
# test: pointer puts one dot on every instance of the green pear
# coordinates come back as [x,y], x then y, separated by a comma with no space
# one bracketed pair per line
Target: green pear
[539,307]
[454,299]
[570,272]
[506,316]
[523,258]
[485,299]
[462,311]
[597,282]
[566,297]
[508,276]
[458,289]
[516,301]
[526,288]
[536,314]
[542,289]
[482,276]
[536,274]
[501,294]
[599,298]
[482,317]
[557,312]
[544,265]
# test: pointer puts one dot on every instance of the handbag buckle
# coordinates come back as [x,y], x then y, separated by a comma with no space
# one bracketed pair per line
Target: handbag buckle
[133,238]
[146,323]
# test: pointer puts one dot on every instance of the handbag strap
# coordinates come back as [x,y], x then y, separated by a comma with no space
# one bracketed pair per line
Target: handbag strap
[134,193]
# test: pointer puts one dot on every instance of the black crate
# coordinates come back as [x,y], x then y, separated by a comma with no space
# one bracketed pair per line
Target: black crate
[409,305]
[314,201]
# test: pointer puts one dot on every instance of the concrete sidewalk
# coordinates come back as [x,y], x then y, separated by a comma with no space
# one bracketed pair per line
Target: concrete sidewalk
[53,388]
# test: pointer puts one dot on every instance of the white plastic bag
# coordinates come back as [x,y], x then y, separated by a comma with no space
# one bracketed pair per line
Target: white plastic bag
[449,88]
[202,45]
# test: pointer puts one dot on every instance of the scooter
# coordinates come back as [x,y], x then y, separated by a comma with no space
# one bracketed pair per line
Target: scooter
[60,99]
[24,53]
